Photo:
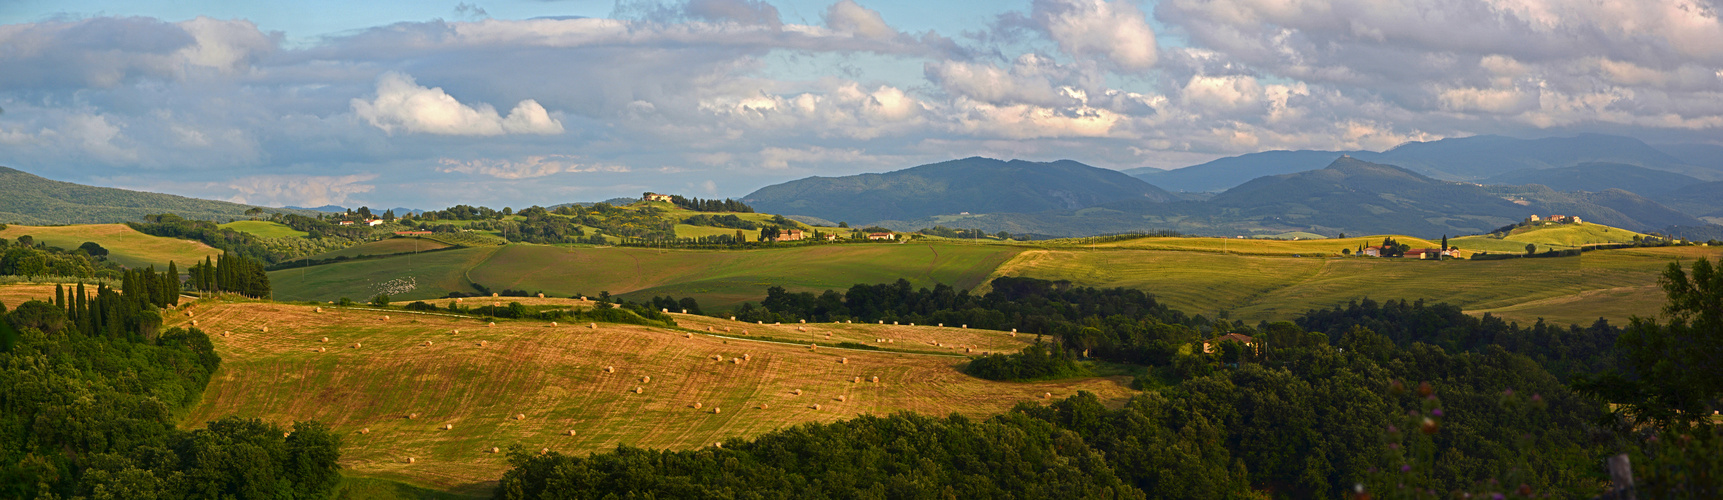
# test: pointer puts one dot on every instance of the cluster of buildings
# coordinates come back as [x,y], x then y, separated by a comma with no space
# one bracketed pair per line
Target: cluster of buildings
[1416,253]
[368,222]
[1560,219]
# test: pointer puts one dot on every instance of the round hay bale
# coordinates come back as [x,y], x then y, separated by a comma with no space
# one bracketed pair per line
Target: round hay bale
[448,427]
[856,380]
[912,324]
[356,345]
[894,322]
[493,294]
[553,324]
[942,325]
[1013,334]
[735,361]
[456,331]
[593,326]
[966,327]
[385,317]
[320,349]
[759,322]
[844,361]
[481,343]
[639,390]
[541,295]
[410,460]
[609,369]
[744,332]
[1013,330]
[315,309]
[719,444]
[224,334]
[427,343]
[458,299]
[882,321]
[286,434]
[266,329]
[366,430]
[747,357]
[876,379]
[797,392]
[646,379]
[520,416]
[717,410]
[543,451]
[493,323]
[194,322]
[726,328]
[816,407]
[717,357]
[799,329]
[841,397]
[732,318]
[813,347]
[571,432]
[1047,395]
[411,416]
[697,405]
[779,323]
[684,311]
[325,339]
[664,309]
[762,406]
[495,449]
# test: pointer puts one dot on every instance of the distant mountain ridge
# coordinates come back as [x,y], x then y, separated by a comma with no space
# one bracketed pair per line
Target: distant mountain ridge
[1349,195]
[1462,159]
[1597,177]
[30,199]
[977,185]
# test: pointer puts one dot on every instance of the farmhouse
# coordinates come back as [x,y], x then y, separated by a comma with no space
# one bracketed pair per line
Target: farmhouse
[374,222]
[346,223]
[1211,344]
[1422,253]
[882,236]
[656,197]
[790,235]
[1375,251]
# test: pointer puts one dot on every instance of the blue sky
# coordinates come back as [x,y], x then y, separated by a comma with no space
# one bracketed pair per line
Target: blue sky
[514,103]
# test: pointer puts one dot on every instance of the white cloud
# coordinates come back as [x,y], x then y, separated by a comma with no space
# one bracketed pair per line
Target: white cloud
[849,17]
[297,190]
[782,158]
[526,168]
[1116,30]
[402,103]
[1222,93]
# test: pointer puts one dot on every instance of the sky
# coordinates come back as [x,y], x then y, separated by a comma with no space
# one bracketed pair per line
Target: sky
[428,104]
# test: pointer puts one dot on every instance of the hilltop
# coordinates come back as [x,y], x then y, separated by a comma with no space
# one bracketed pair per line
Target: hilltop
[125,245]
[974,185]
[29,199]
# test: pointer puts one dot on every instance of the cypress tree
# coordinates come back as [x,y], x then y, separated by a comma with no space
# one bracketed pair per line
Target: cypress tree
[173,284]
[59,296]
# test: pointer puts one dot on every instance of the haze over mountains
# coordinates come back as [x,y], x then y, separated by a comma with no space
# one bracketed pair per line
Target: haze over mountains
[28,199]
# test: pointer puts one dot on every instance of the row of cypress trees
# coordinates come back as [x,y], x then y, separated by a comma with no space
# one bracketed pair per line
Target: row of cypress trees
[231,274]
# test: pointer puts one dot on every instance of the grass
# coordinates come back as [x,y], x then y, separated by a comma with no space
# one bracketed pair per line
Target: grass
[1273,287]
[717,278]
[555,377]
[369,488]
[389,246]
[1313,247]
[125,245]
[265,229]
[1556,236]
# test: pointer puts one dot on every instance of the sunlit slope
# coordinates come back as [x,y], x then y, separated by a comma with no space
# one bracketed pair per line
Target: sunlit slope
[265,229]
[1555,236]
[554,378]
[1317,248]
[1255,287]
[717,277]
[125,245]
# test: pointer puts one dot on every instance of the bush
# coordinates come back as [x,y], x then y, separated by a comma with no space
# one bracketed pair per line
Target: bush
[420,306]
[345,302]
[381,300]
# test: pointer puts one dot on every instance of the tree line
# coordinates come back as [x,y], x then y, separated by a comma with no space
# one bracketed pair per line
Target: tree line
[230,274]
[699,205]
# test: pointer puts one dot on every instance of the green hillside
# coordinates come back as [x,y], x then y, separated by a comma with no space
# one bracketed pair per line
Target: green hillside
[717,277]
[265,229]
[1546,236]
[29,199]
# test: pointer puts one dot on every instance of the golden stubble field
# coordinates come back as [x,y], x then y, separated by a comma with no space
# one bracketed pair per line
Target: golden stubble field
[391,382]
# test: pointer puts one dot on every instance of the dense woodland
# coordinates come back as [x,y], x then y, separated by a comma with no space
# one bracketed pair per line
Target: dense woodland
[91,388]
[27,257]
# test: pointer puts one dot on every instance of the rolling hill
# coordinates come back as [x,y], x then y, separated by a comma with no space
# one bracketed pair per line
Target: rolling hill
[1465,158]
[975,185]
[125,245]
[29,199]
[390,381]
[1598,176]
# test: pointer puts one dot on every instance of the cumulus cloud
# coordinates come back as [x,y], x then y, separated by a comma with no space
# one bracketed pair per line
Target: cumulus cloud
[296,190]
[849,17]
[401,103]
[1115,31]
[526,168]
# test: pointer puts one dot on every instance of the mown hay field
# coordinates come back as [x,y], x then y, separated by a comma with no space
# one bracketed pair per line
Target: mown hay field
[125,245]
[392,396]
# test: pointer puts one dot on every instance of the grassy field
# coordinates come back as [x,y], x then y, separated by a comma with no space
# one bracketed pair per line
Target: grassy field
[391,395]
[389,246]
[1256,287]
[265,229]
[1310,248]
[718,278]
[1553,236]
[125,245]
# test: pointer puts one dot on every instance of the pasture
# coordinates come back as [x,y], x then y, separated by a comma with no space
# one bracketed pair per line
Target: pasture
[1553,236]
[125,245]
[265,229]
[391,246]
[410,387]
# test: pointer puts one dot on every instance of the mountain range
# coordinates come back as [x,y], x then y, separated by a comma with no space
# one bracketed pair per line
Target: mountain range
[976,185]
[1474,159]
[28,199]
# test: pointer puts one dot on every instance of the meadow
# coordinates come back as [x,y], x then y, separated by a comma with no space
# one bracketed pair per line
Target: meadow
[265,229]
[1552,236]
[391,246]
[125,245]
[718,278]
[390,382]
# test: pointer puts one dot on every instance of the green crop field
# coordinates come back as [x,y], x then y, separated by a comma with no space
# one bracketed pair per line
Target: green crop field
[265,229]
[125,245]
[390,382]
[1551,236]
[389,246]
[1269,287]
[719,278]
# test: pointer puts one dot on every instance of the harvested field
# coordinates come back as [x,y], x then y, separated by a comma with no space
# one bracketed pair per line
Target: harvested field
[556,377]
